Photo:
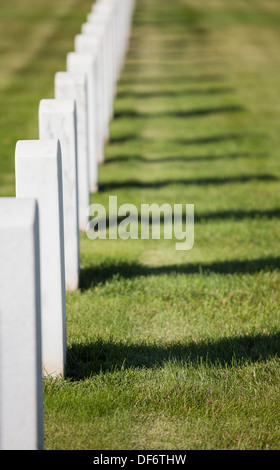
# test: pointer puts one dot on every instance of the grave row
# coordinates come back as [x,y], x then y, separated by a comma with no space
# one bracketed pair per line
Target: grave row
[40,226]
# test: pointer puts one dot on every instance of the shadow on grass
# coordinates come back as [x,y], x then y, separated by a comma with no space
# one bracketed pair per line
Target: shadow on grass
[200,218]
[215,139]
[192,113]
[85,360]
[175,93]
[130,79]
[181,158]
[94,275]
[114,185]
[238,215]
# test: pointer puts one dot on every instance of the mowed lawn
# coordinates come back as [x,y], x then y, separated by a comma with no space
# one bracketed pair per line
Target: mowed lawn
[168,349]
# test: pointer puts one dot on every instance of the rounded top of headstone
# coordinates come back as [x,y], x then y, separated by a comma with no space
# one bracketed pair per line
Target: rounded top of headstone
[79,59]
[100,16]
[53,106]
[103,6]
[37,148]
[87,42]
[92,28]
[70,78]
[17,212]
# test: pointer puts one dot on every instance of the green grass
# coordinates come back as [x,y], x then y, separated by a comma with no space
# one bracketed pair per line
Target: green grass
[169,349]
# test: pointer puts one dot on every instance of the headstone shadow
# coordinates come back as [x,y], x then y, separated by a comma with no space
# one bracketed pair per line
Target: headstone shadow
[91,276]
[86,360]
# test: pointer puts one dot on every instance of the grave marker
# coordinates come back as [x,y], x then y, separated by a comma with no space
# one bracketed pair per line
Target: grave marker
[92,45]
[90,29]
[57,120]
[39,176]
[74,86]
[85,63]
[21,390]
[96,21]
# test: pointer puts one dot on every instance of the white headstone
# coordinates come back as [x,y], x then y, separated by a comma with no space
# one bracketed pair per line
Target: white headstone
[99,29]
[74,86]
[39,176]
[120,15]
[57,120]
[86,63]
[21,390]
[96,21]
[92,45]
[110,12]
